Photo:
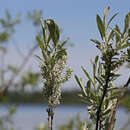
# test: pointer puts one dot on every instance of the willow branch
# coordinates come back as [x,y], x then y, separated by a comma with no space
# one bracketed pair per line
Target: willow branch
[13,77]
[50,118]
[102,99]
[118,102]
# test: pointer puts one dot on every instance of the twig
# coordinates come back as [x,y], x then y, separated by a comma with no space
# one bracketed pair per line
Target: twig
[18,50]
[21,67]
[118,102]
[50,118]
[2,68]
[103,96]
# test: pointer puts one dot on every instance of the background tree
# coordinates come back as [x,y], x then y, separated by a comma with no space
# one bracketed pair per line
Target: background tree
[12,76]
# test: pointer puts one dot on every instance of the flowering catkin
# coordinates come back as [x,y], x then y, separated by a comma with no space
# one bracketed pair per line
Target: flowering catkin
[53,79]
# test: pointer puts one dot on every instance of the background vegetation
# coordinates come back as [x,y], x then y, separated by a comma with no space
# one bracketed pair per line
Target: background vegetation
[14,76]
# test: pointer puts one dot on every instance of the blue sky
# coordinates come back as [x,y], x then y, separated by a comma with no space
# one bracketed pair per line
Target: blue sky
[77,19]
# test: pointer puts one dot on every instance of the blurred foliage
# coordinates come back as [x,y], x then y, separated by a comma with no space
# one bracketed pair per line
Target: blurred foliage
[128,61]
[29,78]
[125,102]
[6,122]
[7,25]
[10,72]
[73,124]
[35,16]
[76,124]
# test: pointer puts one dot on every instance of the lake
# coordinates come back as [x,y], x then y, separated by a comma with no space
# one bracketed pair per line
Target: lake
[28,116]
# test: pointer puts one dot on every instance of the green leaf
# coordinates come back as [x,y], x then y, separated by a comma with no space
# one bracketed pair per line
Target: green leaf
[112,19]
[101,27]
[127,22]
[64,43]
[95,41]
[124,46]
[96,59]
[118,37]
[45,57]
[49,38]
[115,95]
[107,112]
[39,57]
[95,66]
[86,101]
[86,73]
[39,42]
[113,89]
[91,94]
[60,53]
[117,32]
[80,83]
[110,36]
[43,29]
[54,30]
[99,81]
[106,14]
[88,84]
[4,36]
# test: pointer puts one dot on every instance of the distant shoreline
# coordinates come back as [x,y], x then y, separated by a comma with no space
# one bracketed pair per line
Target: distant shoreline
[68,98]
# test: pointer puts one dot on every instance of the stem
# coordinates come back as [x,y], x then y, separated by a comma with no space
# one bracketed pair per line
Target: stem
[100,125]
[2,69]
[118,102]
[103,96]
[50,118]
[14,76]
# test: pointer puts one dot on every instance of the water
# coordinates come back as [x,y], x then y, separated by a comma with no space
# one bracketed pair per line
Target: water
[27,117]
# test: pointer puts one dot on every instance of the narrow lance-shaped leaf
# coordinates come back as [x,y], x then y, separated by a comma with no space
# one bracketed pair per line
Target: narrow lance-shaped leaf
[80,84]
[39,43]
[39,57]
[127,22]
[95,41]
[86,101]
[111,19]
[64,43]
[110,35]
[124,46]
[48,39]
[117,33]
[54,31]
[43,29]
[101,27]
[105,15]
[118,37]
[88,84]
[86,73]
[93,95]
[95,67]
[96,60]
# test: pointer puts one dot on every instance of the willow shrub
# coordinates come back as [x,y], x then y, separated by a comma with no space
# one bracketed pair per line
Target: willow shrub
[100,92]
[53,65]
